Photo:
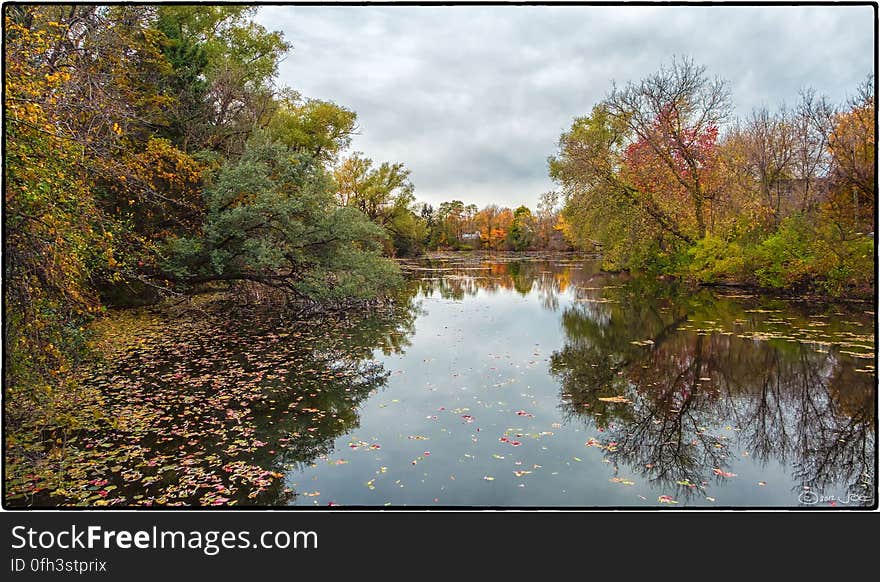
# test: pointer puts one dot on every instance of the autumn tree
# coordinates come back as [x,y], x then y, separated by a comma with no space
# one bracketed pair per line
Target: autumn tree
[470,212]
[852,144]
[54,230]
[655,179]
[810,162]
[674,116]
[449,218]
[547,218]
[83,96]
[603,209]
[494,225]
[770,151]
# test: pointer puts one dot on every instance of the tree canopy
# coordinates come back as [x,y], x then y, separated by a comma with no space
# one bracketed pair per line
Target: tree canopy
[150,151]
[659,177]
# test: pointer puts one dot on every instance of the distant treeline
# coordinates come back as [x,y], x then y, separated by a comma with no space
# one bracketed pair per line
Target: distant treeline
[454,225]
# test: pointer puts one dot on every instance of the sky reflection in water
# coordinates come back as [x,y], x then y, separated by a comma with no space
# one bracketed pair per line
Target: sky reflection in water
[549,383]
[491,382]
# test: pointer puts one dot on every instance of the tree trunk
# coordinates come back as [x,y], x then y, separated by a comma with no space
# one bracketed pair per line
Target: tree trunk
[698,214]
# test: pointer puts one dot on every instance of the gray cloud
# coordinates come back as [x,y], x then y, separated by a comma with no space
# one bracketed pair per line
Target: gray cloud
[473,98]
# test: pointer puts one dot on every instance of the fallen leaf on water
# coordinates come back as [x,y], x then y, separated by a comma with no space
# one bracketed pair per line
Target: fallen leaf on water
[666,499]
[617,399]
[721,473]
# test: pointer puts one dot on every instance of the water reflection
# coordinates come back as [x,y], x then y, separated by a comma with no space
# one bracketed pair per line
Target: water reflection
[677,407]
[213,407]
[681,383]
[677,388]
[462,277]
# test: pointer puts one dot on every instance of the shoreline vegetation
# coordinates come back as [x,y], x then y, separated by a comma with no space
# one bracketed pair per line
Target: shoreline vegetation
[804,293]
[664,180]
[151,154]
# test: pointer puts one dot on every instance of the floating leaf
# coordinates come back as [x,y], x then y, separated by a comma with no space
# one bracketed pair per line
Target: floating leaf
[616,399]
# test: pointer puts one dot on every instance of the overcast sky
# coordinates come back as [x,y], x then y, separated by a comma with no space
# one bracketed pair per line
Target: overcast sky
[473,99]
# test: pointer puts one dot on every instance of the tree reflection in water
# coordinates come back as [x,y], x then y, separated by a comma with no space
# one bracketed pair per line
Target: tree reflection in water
[680,384]
[699,398]
[213,409]
[467,276]
[708,377]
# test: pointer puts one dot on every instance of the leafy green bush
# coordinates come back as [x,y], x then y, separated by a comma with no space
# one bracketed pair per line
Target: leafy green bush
[714,259]
[844,263]
[786,258]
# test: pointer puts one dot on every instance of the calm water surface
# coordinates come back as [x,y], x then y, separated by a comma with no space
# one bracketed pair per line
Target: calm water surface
[549,383]
[497,382]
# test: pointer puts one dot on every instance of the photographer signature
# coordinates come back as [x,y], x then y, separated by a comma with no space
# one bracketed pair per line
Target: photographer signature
[811,498]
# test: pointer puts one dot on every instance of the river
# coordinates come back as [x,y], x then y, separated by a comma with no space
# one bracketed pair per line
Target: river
[500,382]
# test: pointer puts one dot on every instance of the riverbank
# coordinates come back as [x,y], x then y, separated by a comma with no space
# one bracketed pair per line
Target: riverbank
[803,291]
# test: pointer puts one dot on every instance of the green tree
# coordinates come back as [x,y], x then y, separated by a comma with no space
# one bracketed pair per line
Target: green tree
[320,128]
[224,66]
[385,196]
[521,233]
[272,218]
